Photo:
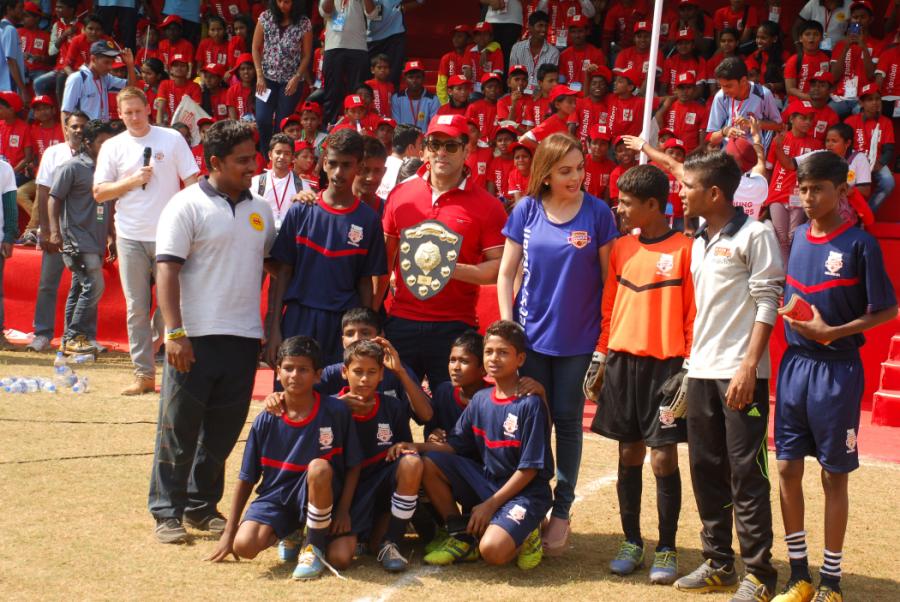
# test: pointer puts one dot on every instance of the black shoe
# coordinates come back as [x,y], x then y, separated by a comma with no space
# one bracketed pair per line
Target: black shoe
[170,530]
[214,523]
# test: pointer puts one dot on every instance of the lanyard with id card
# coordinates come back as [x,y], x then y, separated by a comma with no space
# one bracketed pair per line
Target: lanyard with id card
[340,17]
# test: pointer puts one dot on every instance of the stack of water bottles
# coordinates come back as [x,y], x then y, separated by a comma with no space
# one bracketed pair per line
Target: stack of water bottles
[64,377]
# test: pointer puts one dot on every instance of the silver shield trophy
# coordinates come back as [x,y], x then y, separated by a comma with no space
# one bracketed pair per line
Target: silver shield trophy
[428,255]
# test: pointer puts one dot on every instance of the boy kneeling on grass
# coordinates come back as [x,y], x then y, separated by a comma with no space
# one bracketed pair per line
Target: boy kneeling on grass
[308,457]
[837,272]
[510,494]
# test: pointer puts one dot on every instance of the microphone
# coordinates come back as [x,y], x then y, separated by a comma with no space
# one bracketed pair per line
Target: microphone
[147,152]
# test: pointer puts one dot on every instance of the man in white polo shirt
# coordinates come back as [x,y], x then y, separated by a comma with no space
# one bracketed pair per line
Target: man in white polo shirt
[211,243]
[141,193]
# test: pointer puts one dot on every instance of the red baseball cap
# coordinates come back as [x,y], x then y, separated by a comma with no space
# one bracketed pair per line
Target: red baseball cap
[214,68]
[742,151]
[462,29]
[353,101]
[455,126]
[822,76]
[618,140]
[507,128]
[413,66]
[686,79]
[387,121]
[674,143]
[312,107]
[577,20]
[489,76]
[600,132]
[179,58]
[31,7]
[243,58]
[287,120]
[642,26]
[117,65]
[300,145]
[685,34]
[518,69]
[12,99]
[803,107]
[458,80]
[857,4]
[517,145]
[560,90]
[482,26]
[204,120]
[42,100]
[169,20]
[868,89]
[665,132]
[631,74]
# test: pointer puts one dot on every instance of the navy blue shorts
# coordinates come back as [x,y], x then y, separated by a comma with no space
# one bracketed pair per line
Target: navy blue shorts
[286,513]
[322,325]
[372,498]
[817,405]
[521,515]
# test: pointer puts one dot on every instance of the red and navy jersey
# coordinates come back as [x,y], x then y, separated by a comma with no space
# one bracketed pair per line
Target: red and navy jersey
[279,449]
[843,275]
[332,381]
[386,424]
[507,434]
[330,249]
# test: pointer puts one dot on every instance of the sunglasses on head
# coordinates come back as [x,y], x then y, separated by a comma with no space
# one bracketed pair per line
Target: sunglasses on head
[451,146]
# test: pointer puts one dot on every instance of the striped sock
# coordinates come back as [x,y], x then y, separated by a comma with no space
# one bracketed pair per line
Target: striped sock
[317,522]
[797,554]
[830,572]
[402,509]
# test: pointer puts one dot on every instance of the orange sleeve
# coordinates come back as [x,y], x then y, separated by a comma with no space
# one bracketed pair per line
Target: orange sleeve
[610,289]
[690,309]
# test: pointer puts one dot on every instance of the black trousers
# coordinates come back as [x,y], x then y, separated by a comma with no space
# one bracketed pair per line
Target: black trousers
[201,415]
[506,34]
[424,346]
[729,471]
[127,24]
[395,48]
[343,70]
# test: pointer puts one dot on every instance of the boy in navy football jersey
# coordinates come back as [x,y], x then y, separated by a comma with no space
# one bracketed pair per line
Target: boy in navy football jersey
[327,254]
[389,481]
[839,271]
[510,494]
[308,457]
[449,399]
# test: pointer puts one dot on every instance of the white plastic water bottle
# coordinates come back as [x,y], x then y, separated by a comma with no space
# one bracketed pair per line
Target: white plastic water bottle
[16,387]
[6,382]
[47,386]
[31,385]
[63,376]
[81,385]
[83,358]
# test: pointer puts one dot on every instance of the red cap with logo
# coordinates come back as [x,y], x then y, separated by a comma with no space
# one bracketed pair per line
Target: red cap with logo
[600,132]
[868,89]
[518,69]
[577,20]
[204,121]
[451,125]
[507,127]
[686,79]
[300,145]
[685,34]
[560,90]
[489,76]
[243,58]
[642,26]
[604,72]
[288,120]
[42,100]
[353,101]
[214,68]
[178,58]
[170,20]
[12,99]
[462,29]
[34,9]
[822,76]
[482,26]
[803,107]
[674,143]
[387,121]
[312,107]
[631,74]
[413,66]
[458,80]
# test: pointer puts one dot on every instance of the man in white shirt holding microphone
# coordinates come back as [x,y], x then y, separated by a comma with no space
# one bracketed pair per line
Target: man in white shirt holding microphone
[142,189]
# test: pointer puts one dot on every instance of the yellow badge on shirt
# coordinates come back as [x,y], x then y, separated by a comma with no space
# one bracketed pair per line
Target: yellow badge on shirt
[256,221]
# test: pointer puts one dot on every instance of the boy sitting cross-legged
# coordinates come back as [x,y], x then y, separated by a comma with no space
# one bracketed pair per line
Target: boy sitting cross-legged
[510,494]
[308,457]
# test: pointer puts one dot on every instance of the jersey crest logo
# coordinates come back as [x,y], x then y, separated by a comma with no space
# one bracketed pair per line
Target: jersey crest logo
[664,264]
[510,425]
[159,156]
[690,118]
[851,441]
[627,115]
[355,236]
[851,176]
[834,263]
[482,168]
[14,141]
[326,437]
[256,222]
[723,252]
[384,433]
[666,417]
[579,239]
[517,514]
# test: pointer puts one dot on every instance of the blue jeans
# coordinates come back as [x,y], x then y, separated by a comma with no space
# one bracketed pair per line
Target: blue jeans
[883,181]
[562,376]
[51,83]
[844,108]
[425,346]
[84,294]
[270,113]
[201,415]
[48,287]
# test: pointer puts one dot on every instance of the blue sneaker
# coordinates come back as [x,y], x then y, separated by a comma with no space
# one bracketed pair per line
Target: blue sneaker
[309,564]
[289,547]
[390,558]
[665,567]
[629,558]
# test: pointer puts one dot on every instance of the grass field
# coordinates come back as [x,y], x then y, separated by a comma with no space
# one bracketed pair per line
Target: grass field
[74,525]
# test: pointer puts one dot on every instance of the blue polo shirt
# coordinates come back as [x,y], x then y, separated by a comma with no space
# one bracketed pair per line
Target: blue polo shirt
[91,95]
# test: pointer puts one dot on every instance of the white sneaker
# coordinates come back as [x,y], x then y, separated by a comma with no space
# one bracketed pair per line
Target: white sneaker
[40,343]
[100,348]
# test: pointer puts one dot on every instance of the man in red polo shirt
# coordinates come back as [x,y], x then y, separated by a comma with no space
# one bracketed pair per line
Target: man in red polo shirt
[443,239]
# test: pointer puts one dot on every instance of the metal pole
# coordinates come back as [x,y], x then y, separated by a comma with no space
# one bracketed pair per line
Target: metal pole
[650,90]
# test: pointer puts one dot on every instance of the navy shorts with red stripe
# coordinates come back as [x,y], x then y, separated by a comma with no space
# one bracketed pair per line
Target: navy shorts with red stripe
[372,498]
[817,407]
[285,511]
[519,516]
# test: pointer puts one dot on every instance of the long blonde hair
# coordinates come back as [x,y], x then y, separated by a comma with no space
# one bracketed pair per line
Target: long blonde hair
[549,152]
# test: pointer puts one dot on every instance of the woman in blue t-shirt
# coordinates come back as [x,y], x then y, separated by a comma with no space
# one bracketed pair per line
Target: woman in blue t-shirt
[561,237]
